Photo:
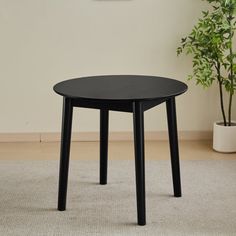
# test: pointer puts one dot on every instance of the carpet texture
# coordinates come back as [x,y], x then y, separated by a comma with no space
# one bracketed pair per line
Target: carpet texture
[28,199]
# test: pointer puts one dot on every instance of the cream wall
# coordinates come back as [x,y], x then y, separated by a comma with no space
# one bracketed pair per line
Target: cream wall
[46,41]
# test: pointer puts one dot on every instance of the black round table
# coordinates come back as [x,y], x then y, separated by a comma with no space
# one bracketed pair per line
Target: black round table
[126,93]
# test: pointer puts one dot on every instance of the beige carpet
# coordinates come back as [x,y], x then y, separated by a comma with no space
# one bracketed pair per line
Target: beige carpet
[28,199]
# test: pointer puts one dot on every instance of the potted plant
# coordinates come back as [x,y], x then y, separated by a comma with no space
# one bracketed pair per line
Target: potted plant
[211,45]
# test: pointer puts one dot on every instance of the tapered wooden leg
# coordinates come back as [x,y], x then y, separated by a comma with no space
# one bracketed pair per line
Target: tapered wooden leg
[174,148]
[104,124]
[139,161]
[65,152]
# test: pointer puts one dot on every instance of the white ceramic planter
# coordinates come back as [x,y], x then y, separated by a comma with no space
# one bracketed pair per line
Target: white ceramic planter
[224,137]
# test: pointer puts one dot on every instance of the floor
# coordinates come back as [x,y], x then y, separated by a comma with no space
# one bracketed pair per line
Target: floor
[30,208]
[155,150]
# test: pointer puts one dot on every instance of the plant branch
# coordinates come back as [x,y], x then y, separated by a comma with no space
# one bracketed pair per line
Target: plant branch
[231,90]
[220,82]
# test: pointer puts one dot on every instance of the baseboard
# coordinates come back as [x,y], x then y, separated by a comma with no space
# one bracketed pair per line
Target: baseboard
[94,136]
[19,137]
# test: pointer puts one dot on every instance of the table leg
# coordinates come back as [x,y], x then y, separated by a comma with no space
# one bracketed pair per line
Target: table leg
[174,149]
[65,152]
[104,124]
[139,161]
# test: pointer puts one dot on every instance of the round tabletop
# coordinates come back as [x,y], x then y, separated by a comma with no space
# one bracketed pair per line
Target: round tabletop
[120,88]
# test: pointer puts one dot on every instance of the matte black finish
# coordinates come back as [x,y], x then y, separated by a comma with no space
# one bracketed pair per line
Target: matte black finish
[104,117]
[65,152]
[127,93]
[139,161]
[174,148]
[120,88]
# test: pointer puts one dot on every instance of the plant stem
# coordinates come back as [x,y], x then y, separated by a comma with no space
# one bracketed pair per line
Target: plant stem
[230,108]
[231,73]
[221,93]
[232,84]
[222,103]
